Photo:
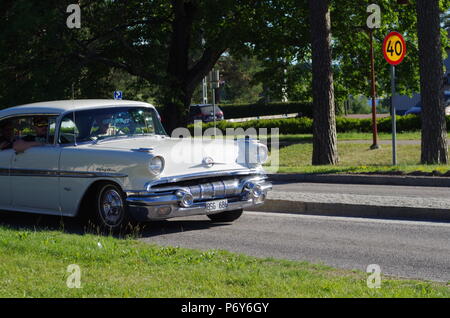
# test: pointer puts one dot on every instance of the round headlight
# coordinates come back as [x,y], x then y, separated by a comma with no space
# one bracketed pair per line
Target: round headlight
[263,154]
[156,165]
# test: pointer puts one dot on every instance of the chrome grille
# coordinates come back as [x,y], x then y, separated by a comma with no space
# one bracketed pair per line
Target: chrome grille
[206,188]
[217,189]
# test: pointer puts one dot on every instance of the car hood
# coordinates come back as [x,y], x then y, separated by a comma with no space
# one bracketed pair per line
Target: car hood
[184,156]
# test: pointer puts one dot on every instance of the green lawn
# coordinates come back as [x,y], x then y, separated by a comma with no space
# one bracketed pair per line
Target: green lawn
[415,135]
[34,264]
[298,138]
[296,153]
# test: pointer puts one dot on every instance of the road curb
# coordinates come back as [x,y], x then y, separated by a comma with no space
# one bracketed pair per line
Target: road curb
[419,181]
[353,210]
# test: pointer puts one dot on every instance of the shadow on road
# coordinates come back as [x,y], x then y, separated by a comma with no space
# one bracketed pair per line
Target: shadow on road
[176,226]
[37,222]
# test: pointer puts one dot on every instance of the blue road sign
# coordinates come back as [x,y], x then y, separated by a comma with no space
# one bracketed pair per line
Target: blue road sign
[118,95]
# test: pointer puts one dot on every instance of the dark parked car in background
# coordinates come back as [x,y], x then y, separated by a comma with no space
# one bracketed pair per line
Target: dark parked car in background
[416,110]
[205,113]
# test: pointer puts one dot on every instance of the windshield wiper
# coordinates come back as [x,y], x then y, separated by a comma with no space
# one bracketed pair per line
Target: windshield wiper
[98,139]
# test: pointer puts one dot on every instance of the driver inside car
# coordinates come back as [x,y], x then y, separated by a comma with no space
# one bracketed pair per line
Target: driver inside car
[104,127]
[40,126]
[6,135]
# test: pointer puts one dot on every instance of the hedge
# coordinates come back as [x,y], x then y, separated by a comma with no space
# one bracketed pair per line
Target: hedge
[303,125]
[231,111]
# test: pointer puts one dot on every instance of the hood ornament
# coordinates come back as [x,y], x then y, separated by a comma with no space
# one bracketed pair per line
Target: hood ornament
[208,162]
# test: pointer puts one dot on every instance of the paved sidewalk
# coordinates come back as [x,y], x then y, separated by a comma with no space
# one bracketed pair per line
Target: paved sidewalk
[358,199]
[400,180]
[353,200]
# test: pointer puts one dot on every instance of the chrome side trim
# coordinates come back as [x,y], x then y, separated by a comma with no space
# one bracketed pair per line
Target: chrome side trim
[56,173]
[4,171]
[78,174]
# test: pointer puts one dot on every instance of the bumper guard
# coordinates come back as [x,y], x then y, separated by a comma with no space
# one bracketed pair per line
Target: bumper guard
[178,201]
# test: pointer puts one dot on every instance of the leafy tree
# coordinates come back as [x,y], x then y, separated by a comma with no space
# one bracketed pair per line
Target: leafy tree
[281,42]
[238,78]
[358,105]
[299,77]
[170,45]
[160,50]
[351,46]
[30,41]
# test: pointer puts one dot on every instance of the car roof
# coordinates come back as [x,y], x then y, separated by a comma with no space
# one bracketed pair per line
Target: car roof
[203,105]
[62,106]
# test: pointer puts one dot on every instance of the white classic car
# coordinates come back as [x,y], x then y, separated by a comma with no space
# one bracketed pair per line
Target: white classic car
[113,161]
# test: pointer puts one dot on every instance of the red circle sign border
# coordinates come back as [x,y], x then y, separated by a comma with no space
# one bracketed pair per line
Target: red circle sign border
[394,33]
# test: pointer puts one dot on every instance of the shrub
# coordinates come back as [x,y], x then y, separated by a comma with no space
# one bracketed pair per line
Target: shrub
[303,125]
[254,110]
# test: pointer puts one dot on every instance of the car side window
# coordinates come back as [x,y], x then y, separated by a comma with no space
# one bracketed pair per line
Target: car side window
[194,110]
[37,128]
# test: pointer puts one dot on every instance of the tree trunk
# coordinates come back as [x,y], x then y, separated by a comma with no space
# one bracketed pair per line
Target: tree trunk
[434,130]
[324,126]
[176,99]
[183,79]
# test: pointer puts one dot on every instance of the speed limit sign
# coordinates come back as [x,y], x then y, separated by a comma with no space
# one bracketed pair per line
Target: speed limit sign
[394,51]
[394,48]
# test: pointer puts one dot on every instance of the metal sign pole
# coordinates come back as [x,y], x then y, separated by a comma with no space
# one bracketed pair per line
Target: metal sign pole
[394,51]
[214,85]
[373,91]
[394,128]
[214,105]
[205,90]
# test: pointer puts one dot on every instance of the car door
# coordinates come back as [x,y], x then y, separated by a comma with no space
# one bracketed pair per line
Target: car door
[5,182]
[35,178]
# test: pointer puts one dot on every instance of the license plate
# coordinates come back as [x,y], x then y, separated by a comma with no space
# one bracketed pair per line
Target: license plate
[217,205]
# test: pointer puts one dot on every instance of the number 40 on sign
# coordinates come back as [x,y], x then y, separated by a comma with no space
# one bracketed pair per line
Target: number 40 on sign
[394,48]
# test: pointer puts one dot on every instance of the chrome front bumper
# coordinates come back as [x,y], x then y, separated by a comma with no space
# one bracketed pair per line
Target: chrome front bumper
[190,198]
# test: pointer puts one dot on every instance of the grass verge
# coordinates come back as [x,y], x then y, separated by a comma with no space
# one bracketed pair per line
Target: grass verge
[34,264]
[414,135]
[356,158]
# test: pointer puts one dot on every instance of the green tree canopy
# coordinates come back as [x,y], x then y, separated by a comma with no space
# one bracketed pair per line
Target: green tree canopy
[162,49]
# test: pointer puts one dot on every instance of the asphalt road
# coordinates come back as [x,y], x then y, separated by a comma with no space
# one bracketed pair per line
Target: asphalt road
[410,249]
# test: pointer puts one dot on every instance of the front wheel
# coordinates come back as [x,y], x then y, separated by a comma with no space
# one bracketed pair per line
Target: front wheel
[227,216]
[110,210]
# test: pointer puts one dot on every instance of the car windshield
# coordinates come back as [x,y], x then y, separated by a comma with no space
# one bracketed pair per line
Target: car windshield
[102,123]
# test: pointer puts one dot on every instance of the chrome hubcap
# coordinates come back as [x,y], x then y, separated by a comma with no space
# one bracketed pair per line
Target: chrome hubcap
[111,207]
